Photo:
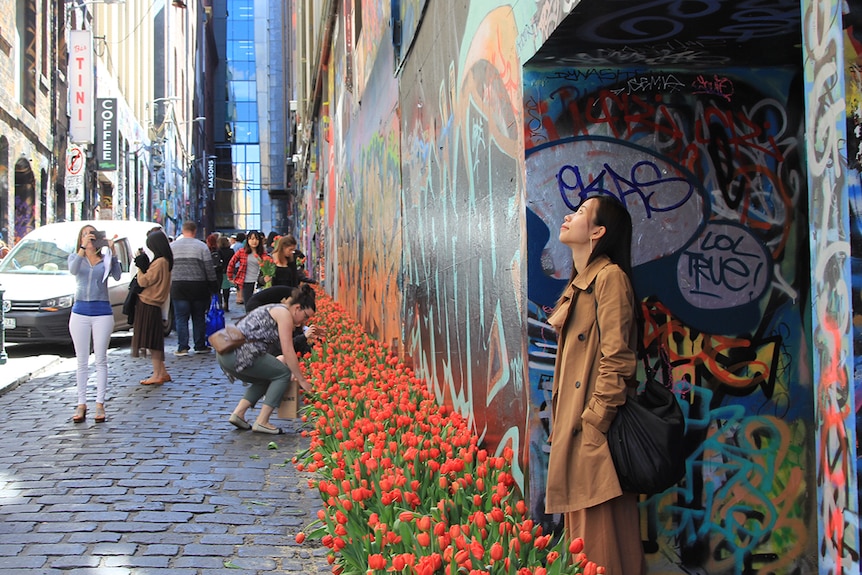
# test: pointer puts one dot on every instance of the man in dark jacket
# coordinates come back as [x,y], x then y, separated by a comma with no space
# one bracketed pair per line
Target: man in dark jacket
[193,283]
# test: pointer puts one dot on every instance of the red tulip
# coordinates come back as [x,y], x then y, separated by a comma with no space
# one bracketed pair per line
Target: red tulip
[496,551]
[376,562]
[476,549]
[405,516]
[576,546]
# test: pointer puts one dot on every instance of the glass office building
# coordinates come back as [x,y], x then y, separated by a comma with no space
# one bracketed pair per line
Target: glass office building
[249,103]
[238,199]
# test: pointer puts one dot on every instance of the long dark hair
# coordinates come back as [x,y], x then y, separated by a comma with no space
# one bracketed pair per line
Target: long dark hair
[616,243]
[261,249]
[158,243]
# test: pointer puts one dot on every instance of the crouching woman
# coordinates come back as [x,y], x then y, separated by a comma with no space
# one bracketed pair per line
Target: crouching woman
[269,376]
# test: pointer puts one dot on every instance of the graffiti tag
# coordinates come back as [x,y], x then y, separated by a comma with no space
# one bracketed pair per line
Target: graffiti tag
[723,268]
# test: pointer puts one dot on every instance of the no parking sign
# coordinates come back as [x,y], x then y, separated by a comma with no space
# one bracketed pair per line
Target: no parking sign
[75,162]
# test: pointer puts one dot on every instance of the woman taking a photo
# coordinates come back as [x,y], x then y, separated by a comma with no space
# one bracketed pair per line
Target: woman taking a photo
[595,369]
[244,267]
[91,264]
[155,277]
[269,376]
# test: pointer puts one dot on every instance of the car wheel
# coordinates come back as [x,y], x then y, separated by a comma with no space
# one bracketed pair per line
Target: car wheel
[169,323]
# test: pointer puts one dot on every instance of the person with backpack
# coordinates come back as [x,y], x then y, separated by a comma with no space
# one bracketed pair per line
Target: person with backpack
[594,373]
[218,262]
[225,253]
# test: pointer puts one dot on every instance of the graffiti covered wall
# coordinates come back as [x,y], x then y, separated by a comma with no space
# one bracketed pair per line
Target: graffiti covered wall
[475,161]
[709,167]
[463,203]
[831,305]
[368,214]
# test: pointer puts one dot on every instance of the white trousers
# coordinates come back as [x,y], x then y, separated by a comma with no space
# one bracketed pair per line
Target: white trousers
[100,326]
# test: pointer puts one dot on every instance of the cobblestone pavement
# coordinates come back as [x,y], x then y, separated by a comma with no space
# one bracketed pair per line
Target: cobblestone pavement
[166,485]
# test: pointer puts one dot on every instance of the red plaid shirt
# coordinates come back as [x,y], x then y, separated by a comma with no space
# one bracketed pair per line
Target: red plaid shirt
[238,265]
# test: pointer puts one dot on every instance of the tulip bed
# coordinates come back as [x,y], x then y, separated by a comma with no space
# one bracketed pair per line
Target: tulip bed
[405,486]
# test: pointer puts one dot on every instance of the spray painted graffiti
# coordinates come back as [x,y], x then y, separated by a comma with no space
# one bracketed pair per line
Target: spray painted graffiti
[725,267]
[712,184]
[462,174]
[837,495]
[646,23]
[717,86]
[368,278]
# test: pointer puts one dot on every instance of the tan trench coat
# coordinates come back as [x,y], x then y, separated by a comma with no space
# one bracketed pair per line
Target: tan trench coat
[596,362]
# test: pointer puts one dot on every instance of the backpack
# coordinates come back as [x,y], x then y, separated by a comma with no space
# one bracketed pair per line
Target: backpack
[218,263]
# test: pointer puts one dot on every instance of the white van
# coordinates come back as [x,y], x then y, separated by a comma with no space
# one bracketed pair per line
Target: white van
[39,290]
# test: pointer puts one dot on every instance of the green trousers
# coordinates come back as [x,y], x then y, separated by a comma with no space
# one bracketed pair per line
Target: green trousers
[267,376]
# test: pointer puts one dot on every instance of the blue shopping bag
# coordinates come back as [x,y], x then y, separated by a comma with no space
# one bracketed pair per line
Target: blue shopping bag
[215,317]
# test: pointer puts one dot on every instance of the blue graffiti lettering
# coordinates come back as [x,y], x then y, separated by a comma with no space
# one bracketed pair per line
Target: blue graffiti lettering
[645,182]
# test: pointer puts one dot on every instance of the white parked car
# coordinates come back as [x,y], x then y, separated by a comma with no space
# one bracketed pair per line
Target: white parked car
[39,290]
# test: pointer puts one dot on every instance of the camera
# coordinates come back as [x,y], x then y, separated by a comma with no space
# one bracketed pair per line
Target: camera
[99,240]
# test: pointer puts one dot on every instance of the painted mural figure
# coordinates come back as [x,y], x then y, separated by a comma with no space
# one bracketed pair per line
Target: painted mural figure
[594,370]
[25,216]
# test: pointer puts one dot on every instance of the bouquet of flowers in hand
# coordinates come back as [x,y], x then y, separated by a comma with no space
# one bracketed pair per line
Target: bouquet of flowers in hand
[267,269]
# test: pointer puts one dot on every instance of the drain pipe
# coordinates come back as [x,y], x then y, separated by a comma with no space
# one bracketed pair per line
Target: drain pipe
[3,356]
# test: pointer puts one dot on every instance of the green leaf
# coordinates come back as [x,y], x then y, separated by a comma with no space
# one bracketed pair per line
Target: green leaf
[254,456]
[272,445]
[231,565]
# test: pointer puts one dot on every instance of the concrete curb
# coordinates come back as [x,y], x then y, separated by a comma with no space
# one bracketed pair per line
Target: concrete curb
[17,371]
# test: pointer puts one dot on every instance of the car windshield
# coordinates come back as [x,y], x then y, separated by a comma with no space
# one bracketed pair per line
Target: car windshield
[33,256]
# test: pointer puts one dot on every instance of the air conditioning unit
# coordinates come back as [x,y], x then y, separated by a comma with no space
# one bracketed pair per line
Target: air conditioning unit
[293,105]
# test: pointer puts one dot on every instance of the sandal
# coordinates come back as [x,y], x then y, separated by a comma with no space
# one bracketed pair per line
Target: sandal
[100,413]
[80,414]
[156,380]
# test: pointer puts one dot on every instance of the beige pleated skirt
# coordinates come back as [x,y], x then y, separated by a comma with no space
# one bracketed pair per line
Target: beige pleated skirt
[611,534]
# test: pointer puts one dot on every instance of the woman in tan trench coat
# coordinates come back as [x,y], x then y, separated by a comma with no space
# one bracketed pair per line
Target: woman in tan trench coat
[595,370]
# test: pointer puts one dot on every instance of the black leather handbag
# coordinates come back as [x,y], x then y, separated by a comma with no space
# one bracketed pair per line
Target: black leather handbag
[646,438]
[132,300]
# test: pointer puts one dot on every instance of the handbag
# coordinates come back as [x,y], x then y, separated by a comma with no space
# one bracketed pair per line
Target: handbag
[646,438]
[215,317]
[131,300]
[226,339]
